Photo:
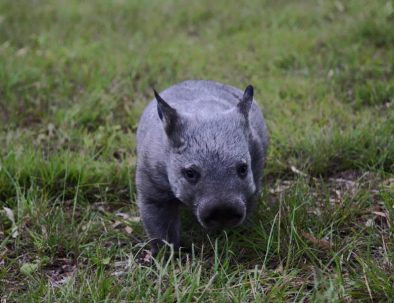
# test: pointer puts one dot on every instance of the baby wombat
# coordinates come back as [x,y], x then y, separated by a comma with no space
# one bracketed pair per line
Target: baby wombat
[200,144]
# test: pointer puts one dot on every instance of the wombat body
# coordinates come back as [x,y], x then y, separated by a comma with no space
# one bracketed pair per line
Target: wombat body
[201,144]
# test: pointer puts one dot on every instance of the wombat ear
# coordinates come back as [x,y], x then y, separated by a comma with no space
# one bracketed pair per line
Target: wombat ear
[170,118]
[246,102]
[164,110]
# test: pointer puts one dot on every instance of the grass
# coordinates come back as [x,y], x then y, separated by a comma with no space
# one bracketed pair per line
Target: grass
[74,78]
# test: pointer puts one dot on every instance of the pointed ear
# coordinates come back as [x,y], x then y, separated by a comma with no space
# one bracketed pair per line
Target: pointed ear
[245,104]
[170,119]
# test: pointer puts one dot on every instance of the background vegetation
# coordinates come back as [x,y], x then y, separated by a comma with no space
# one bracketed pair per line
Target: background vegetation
[74,78]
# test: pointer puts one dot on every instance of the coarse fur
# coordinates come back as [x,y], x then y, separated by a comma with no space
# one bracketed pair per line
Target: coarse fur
[209,130]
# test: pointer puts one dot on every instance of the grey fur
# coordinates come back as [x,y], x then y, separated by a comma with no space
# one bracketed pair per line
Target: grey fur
[193,143]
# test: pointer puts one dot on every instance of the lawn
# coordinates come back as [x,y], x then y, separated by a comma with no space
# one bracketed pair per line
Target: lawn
[74,79]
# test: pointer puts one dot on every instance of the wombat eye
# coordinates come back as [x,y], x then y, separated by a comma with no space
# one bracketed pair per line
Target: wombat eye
[242,170]
[191,175]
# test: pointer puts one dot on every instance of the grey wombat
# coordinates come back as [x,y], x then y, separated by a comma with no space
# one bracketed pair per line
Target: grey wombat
[201,144]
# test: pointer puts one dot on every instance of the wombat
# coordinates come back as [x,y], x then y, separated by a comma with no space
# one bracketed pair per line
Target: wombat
[201,144]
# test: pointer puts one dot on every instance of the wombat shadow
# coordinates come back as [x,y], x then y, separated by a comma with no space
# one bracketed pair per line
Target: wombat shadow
[249,244]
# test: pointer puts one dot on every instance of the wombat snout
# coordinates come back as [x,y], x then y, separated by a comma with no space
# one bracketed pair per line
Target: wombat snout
[219,214]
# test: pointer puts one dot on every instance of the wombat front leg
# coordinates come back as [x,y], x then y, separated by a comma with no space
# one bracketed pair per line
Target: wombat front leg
[161,222]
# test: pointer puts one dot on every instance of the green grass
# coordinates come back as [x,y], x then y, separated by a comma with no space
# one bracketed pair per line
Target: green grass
[74,79]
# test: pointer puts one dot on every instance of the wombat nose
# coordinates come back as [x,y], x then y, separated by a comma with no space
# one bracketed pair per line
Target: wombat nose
[214,216]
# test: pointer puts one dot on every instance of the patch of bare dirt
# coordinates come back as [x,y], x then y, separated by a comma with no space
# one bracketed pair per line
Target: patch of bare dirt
[60,271]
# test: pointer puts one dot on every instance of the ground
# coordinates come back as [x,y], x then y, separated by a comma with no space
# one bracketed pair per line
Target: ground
[74,79]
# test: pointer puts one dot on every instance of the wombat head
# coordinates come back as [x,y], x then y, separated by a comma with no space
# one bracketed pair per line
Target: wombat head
[209,165]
